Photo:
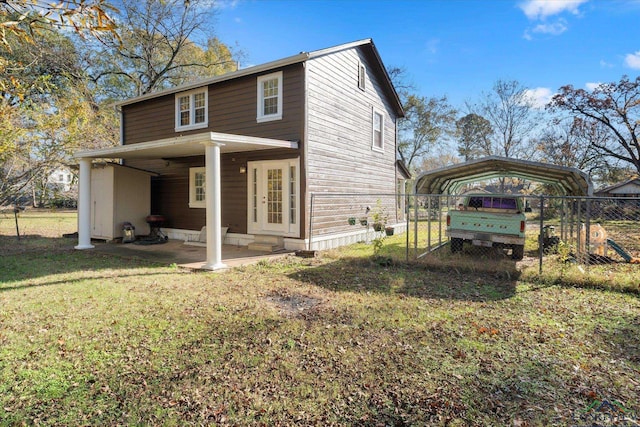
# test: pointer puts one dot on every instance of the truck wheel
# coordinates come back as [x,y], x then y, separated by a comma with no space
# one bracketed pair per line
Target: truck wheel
[456,245]
[517,252]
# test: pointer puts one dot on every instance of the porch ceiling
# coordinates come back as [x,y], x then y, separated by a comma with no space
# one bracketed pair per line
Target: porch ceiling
[183,146]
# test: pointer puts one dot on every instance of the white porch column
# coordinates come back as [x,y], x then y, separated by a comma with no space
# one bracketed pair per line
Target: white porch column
[214,207]
[84,205]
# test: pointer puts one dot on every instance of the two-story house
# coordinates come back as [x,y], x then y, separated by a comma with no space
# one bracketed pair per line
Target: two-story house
[243,152]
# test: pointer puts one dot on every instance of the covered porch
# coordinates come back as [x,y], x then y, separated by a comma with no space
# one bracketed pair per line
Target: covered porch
[192,257]
[209,144]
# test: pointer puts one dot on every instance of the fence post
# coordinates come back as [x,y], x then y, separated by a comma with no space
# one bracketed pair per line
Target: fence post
[415,227]
[587,237]
[540,248]
[429,208]
[407,215]
[310,222]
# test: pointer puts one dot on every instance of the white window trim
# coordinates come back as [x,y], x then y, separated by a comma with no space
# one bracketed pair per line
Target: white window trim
[193,203]
[192,110]
[362,76]
[293,229]
[261,117]
[374,147]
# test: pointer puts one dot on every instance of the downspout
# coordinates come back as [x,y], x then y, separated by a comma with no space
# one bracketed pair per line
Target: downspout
[121,117]
[305,134]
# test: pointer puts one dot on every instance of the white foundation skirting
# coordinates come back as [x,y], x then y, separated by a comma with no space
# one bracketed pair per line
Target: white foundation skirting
[332,241]
[319,243]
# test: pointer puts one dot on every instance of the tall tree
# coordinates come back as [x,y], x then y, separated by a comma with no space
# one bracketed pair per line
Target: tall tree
[512,116]
[613,109]
[53,114]
[157,48]
[24,21]
[568,143]
[473,133]
[427,122]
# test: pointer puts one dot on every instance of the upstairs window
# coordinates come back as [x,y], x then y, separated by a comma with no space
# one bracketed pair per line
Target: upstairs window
[362,76]
[192,109]
[269,97]
[377,122]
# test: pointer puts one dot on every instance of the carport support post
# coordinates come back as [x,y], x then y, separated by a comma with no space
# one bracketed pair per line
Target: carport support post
[214,207]
[84,205]
[540,241]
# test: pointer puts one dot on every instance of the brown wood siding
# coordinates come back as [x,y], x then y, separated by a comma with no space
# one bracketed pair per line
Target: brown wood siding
[170,190]
[232,109]
[339,147]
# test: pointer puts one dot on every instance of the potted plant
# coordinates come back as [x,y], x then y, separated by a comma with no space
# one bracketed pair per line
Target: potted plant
[389,231]
[379,217]
[363,221]
[352,220]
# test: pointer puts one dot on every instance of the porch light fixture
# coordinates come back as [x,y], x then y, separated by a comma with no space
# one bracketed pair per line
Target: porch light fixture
[243,169]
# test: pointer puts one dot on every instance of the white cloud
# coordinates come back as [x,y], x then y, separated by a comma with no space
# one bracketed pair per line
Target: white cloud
[592,86]
[540,9]
[605,64]
[539,96]
[632,60]
[226,4]
[555,28]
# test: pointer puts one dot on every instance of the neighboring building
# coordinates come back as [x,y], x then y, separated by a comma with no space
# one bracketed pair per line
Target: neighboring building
[628,188]
[243,152]
[62,178]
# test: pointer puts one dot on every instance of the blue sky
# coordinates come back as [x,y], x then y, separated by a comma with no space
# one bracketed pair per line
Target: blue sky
[457,48]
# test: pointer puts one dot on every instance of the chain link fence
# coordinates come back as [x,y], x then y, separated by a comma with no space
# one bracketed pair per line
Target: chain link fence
[585,236]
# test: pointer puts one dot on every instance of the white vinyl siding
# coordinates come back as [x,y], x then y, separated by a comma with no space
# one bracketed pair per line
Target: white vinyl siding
[269,97]
[340,128]
[192,110]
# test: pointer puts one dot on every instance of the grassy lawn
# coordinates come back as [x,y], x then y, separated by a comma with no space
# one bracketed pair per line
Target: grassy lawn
[90,339]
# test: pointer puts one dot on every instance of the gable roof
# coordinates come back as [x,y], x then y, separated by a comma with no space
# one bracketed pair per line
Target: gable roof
[610,188]
[365,44]
[450,179]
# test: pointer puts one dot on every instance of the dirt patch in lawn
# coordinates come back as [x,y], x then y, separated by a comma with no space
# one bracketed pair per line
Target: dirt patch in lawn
[292,304]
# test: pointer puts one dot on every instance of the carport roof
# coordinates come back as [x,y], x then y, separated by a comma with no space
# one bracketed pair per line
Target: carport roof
[450,179]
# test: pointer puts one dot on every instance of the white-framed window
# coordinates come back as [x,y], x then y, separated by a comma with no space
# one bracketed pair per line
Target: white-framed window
[192,109]
[362,76]
[293,194]
[197,187]
[377,130]
[269,97]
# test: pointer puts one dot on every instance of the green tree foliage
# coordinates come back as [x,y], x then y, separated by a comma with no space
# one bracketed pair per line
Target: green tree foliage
[31,16]
[473,133]
[24,22]
[57,87]
[608,117]
[427,122]
[51,115]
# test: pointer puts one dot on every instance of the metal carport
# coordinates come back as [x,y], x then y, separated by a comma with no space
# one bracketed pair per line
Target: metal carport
[449,180]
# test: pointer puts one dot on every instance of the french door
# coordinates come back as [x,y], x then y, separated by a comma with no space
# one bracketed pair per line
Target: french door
[273,197]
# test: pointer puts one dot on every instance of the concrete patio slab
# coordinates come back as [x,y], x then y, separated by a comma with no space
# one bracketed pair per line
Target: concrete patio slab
[187,256]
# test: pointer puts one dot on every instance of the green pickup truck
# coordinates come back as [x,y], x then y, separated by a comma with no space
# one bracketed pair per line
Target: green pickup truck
[490,220]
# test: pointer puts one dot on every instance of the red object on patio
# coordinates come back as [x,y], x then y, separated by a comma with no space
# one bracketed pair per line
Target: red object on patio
[155,222]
